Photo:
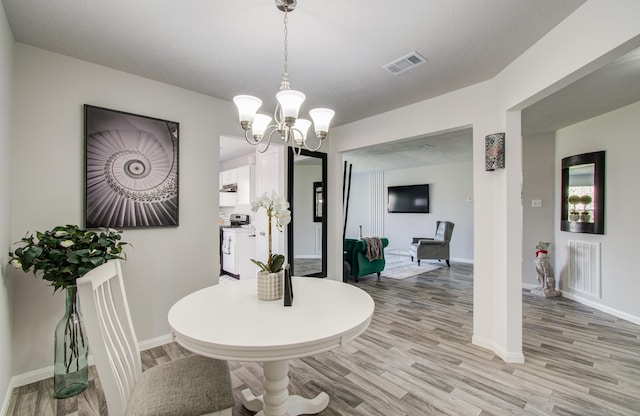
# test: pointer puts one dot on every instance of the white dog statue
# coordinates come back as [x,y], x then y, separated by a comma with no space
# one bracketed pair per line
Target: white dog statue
[546,280]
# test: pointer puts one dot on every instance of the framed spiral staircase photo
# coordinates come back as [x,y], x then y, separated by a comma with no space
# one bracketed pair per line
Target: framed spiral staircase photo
[131,170]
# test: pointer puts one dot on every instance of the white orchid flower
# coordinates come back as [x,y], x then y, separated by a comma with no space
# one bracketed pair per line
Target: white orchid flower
[284,218]
[280,205]
[66,243]
[16,263]
[275,205]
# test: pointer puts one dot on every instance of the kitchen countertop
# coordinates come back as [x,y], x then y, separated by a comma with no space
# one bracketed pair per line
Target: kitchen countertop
[251,231]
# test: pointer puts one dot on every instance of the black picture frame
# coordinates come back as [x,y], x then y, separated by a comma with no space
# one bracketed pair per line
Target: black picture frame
[598,161]
[288,287]
[318,193]
[290,227]
[131,170]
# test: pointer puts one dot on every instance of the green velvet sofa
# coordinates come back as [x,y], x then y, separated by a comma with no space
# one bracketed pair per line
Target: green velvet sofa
[355,256]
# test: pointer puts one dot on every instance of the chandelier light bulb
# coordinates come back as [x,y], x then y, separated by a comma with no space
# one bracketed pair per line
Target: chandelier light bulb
[300,129]
[247,108]
[260,123]
[321,119]
[290,102]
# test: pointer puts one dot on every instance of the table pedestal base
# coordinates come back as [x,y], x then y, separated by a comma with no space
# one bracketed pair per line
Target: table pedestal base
[276,400]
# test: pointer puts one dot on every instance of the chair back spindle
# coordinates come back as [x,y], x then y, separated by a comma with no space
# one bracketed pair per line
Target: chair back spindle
[113,341]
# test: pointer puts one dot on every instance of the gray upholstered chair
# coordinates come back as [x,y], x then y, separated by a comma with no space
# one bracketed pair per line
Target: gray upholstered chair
[188,386]
[433,248]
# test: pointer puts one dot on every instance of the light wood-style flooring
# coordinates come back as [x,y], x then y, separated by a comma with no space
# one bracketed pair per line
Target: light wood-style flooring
[417,359]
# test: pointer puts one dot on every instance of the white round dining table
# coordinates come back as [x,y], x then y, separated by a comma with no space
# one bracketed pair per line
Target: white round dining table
[229,322]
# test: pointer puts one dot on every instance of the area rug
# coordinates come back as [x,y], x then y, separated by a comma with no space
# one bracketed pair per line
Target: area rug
[401,267]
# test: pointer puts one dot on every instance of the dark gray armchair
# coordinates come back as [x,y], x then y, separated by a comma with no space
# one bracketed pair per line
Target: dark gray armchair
[433,248]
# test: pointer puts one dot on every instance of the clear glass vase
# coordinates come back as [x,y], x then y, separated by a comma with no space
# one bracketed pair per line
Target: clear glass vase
[70,370]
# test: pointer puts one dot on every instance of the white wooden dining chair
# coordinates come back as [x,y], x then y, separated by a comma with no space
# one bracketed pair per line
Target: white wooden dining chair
[188,386]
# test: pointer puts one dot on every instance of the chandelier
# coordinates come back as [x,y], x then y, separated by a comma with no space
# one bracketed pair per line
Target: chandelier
[285,117]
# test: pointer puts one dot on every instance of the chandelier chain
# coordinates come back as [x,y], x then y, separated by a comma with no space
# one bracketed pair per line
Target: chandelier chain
[285,74]
[287,124]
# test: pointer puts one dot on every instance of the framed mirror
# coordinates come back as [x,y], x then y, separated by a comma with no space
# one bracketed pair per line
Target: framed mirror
[583,193]
[307,194]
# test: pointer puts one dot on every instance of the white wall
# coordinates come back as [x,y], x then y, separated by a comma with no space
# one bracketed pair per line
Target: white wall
[164,264]
[450,187]
[6,63]
[539,182]
[616,133]
[359,203]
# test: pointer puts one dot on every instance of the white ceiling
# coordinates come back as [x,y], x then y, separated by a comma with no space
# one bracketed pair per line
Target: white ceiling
[336,48]
[613,86]
[450,147]
[336,53]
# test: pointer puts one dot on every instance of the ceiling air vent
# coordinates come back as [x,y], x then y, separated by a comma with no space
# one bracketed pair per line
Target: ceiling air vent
[405,63]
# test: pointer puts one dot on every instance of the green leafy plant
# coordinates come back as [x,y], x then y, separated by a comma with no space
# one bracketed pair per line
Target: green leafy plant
[277,208]
[573,200]
[65,253]
[585,200]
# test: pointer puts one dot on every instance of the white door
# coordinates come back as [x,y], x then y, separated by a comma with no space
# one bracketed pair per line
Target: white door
[270,176]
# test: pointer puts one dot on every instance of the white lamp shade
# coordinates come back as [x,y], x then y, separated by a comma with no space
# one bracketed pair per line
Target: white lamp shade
[321,118]
[290,102]
[260,123]
[302,125]
[247,107]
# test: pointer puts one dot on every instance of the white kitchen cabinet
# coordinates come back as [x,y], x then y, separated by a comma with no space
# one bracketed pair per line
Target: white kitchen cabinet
[228,177]
[245,175]
[227,199]
[238,248]
[244,178]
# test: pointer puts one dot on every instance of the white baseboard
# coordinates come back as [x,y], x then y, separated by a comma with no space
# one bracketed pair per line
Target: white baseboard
[595,305]
[32,376]
[7,398]
[460,260]
[507,357]
[155,342]
[47,372]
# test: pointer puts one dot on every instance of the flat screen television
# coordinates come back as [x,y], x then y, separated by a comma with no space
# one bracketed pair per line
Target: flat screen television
[408,199]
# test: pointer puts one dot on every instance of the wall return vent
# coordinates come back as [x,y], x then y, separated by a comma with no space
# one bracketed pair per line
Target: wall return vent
[405,63]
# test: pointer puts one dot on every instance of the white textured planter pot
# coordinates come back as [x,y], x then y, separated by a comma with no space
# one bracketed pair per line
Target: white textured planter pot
[270,285]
